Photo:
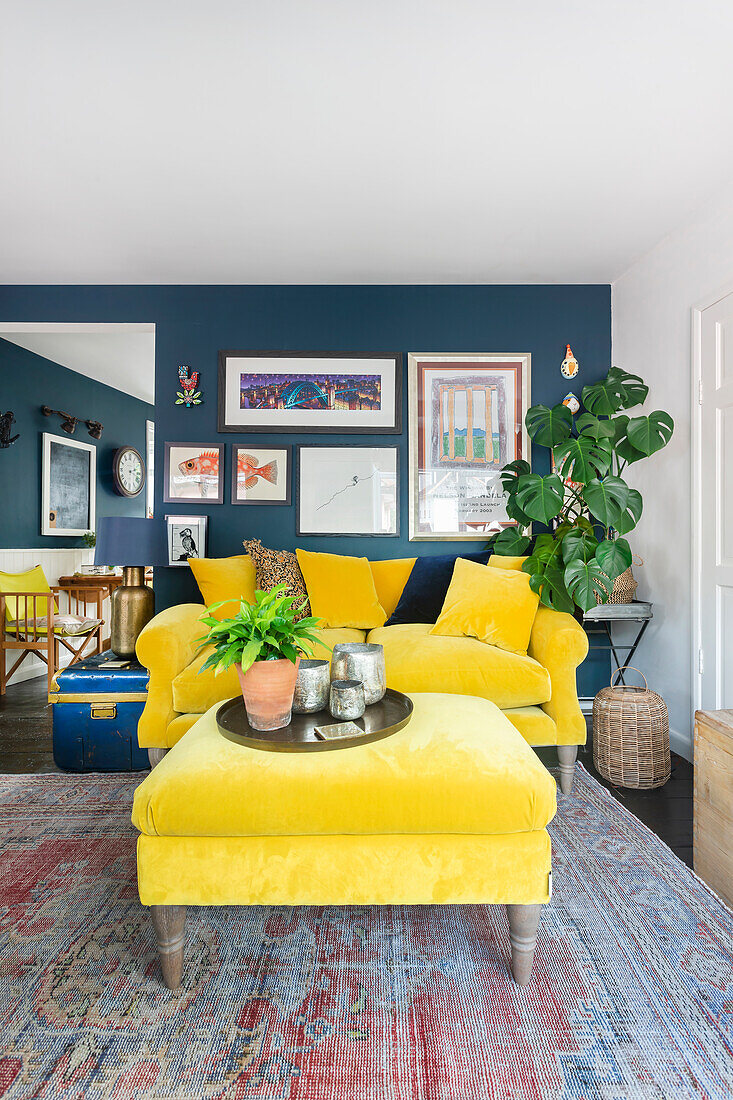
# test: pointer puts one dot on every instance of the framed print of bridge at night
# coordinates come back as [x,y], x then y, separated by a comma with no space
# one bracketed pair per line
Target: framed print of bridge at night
[466,422]
[290,391]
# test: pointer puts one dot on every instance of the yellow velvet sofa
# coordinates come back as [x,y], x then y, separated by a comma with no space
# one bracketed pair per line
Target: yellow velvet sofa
[537,692]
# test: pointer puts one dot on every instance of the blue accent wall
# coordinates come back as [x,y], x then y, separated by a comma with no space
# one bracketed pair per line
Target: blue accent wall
[194,322]
[28,381]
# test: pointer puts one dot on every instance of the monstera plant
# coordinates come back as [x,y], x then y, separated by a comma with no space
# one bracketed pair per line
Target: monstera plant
[585,501]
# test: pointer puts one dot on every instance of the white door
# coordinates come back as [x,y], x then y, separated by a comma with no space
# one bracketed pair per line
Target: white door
[714,530]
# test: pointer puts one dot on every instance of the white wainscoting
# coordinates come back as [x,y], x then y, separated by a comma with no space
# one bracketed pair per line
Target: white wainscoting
[56,563]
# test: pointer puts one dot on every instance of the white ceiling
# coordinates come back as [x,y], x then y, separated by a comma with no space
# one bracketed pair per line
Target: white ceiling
[174,141]
[121,356]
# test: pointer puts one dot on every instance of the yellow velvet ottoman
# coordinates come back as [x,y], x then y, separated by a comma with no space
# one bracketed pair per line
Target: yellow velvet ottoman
[452,809]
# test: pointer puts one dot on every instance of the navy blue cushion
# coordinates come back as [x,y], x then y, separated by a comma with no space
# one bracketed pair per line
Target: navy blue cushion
[423,595]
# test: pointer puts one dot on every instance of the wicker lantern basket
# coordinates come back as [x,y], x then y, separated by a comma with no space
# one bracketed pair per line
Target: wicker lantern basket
[631,735]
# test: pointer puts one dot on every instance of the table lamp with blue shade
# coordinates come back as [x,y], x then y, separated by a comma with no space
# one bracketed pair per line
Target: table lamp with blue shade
[121,540]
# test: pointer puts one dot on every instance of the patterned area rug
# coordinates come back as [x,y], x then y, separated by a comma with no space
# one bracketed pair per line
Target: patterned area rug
[632,993]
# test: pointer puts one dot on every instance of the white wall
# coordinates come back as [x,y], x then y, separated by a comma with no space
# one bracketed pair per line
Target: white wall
[651,326]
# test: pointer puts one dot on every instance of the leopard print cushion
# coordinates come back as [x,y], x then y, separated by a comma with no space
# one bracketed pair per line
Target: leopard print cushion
[275,567]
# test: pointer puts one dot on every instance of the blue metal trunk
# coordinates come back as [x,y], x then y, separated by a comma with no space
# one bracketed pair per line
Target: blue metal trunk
[95,715]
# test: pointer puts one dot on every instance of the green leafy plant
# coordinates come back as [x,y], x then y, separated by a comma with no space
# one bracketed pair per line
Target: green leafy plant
[89,539]
[265,630]
[586,501]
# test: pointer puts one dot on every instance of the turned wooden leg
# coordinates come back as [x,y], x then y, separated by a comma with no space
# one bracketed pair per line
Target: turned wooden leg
[567,755]
[169,924]
[155,756]
[523,923]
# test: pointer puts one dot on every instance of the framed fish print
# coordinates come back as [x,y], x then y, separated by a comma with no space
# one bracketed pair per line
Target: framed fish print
[348,490]
[193,471]
[261,475]
[303,391]
[68,486]
[466,420]
[186,538]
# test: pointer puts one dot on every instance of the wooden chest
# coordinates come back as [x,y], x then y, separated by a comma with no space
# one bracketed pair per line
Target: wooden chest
[713,822]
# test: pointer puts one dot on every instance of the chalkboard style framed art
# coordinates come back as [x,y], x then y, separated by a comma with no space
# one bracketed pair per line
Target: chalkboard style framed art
[68,486]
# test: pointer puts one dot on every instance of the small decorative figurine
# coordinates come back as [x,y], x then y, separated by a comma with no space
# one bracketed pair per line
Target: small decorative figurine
[572,402]
[188,394]
[569,365]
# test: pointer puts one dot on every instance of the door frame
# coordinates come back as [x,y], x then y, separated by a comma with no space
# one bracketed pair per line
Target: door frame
[696,494]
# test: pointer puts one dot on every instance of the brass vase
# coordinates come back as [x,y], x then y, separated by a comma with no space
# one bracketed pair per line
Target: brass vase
[133,606]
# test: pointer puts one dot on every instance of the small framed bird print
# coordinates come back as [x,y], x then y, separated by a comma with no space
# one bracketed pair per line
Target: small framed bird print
[193,472]
[186,538]
[261,475]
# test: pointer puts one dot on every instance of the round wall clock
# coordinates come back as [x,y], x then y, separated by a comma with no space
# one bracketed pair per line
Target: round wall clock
[128,471]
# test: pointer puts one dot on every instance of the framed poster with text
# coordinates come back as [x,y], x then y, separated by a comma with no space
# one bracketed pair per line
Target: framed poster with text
[466,421]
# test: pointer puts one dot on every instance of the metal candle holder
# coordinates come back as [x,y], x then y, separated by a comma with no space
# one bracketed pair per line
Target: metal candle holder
[311,687]
[361,661]
[346,700]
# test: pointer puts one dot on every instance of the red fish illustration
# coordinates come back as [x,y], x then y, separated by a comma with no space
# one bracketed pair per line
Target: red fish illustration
[248,470]
[205,464]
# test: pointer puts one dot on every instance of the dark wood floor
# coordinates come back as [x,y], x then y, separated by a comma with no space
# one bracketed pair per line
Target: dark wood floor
[26,747]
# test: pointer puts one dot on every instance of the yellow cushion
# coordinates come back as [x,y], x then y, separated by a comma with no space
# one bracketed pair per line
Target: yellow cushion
[419,661]
[31,580]
[497,606]
[499,561]
[224,579]
[459,766]
[194,693]
[390,577]
[341,590]
[534,724]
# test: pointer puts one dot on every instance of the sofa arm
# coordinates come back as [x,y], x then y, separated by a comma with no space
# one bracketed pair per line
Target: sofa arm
[559,643]
[165,647]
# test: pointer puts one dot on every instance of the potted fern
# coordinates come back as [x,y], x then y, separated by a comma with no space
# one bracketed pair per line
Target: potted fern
[585,501]
[264,641]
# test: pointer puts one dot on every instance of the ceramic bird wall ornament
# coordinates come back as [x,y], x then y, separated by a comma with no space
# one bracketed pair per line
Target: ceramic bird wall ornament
[189,394]
[571,402]
[569,366]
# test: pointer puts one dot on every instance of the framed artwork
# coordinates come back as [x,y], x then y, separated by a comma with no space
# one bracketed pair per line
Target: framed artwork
[193,471]
[68,486]
[186,538]
[261,475]
[273,391]
[466,420]
[348,490]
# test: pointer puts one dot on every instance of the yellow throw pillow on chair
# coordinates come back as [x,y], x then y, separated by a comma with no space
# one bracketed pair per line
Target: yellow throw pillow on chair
[496,606]
[341,590]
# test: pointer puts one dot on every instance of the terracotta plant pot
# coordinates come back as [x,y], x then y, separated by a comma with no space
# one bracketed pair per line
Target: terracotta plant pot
[268,688]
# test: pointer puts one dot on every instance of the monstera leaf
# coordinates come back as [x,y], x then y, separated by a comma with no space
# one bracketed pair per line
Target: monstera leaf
[510,542]
[515,512]
[540,498]
[511,473]
[549,584]
[549,426]
[588,424]
[578,545]
[613,556]
[583,458]
[602,398]
[607,499]
[630,387]
[632,513]
[585,580]
[648,434]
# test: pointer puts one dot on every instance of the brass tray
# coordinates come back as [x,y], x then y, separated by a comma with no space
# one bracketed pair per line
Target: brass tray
[381,719]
